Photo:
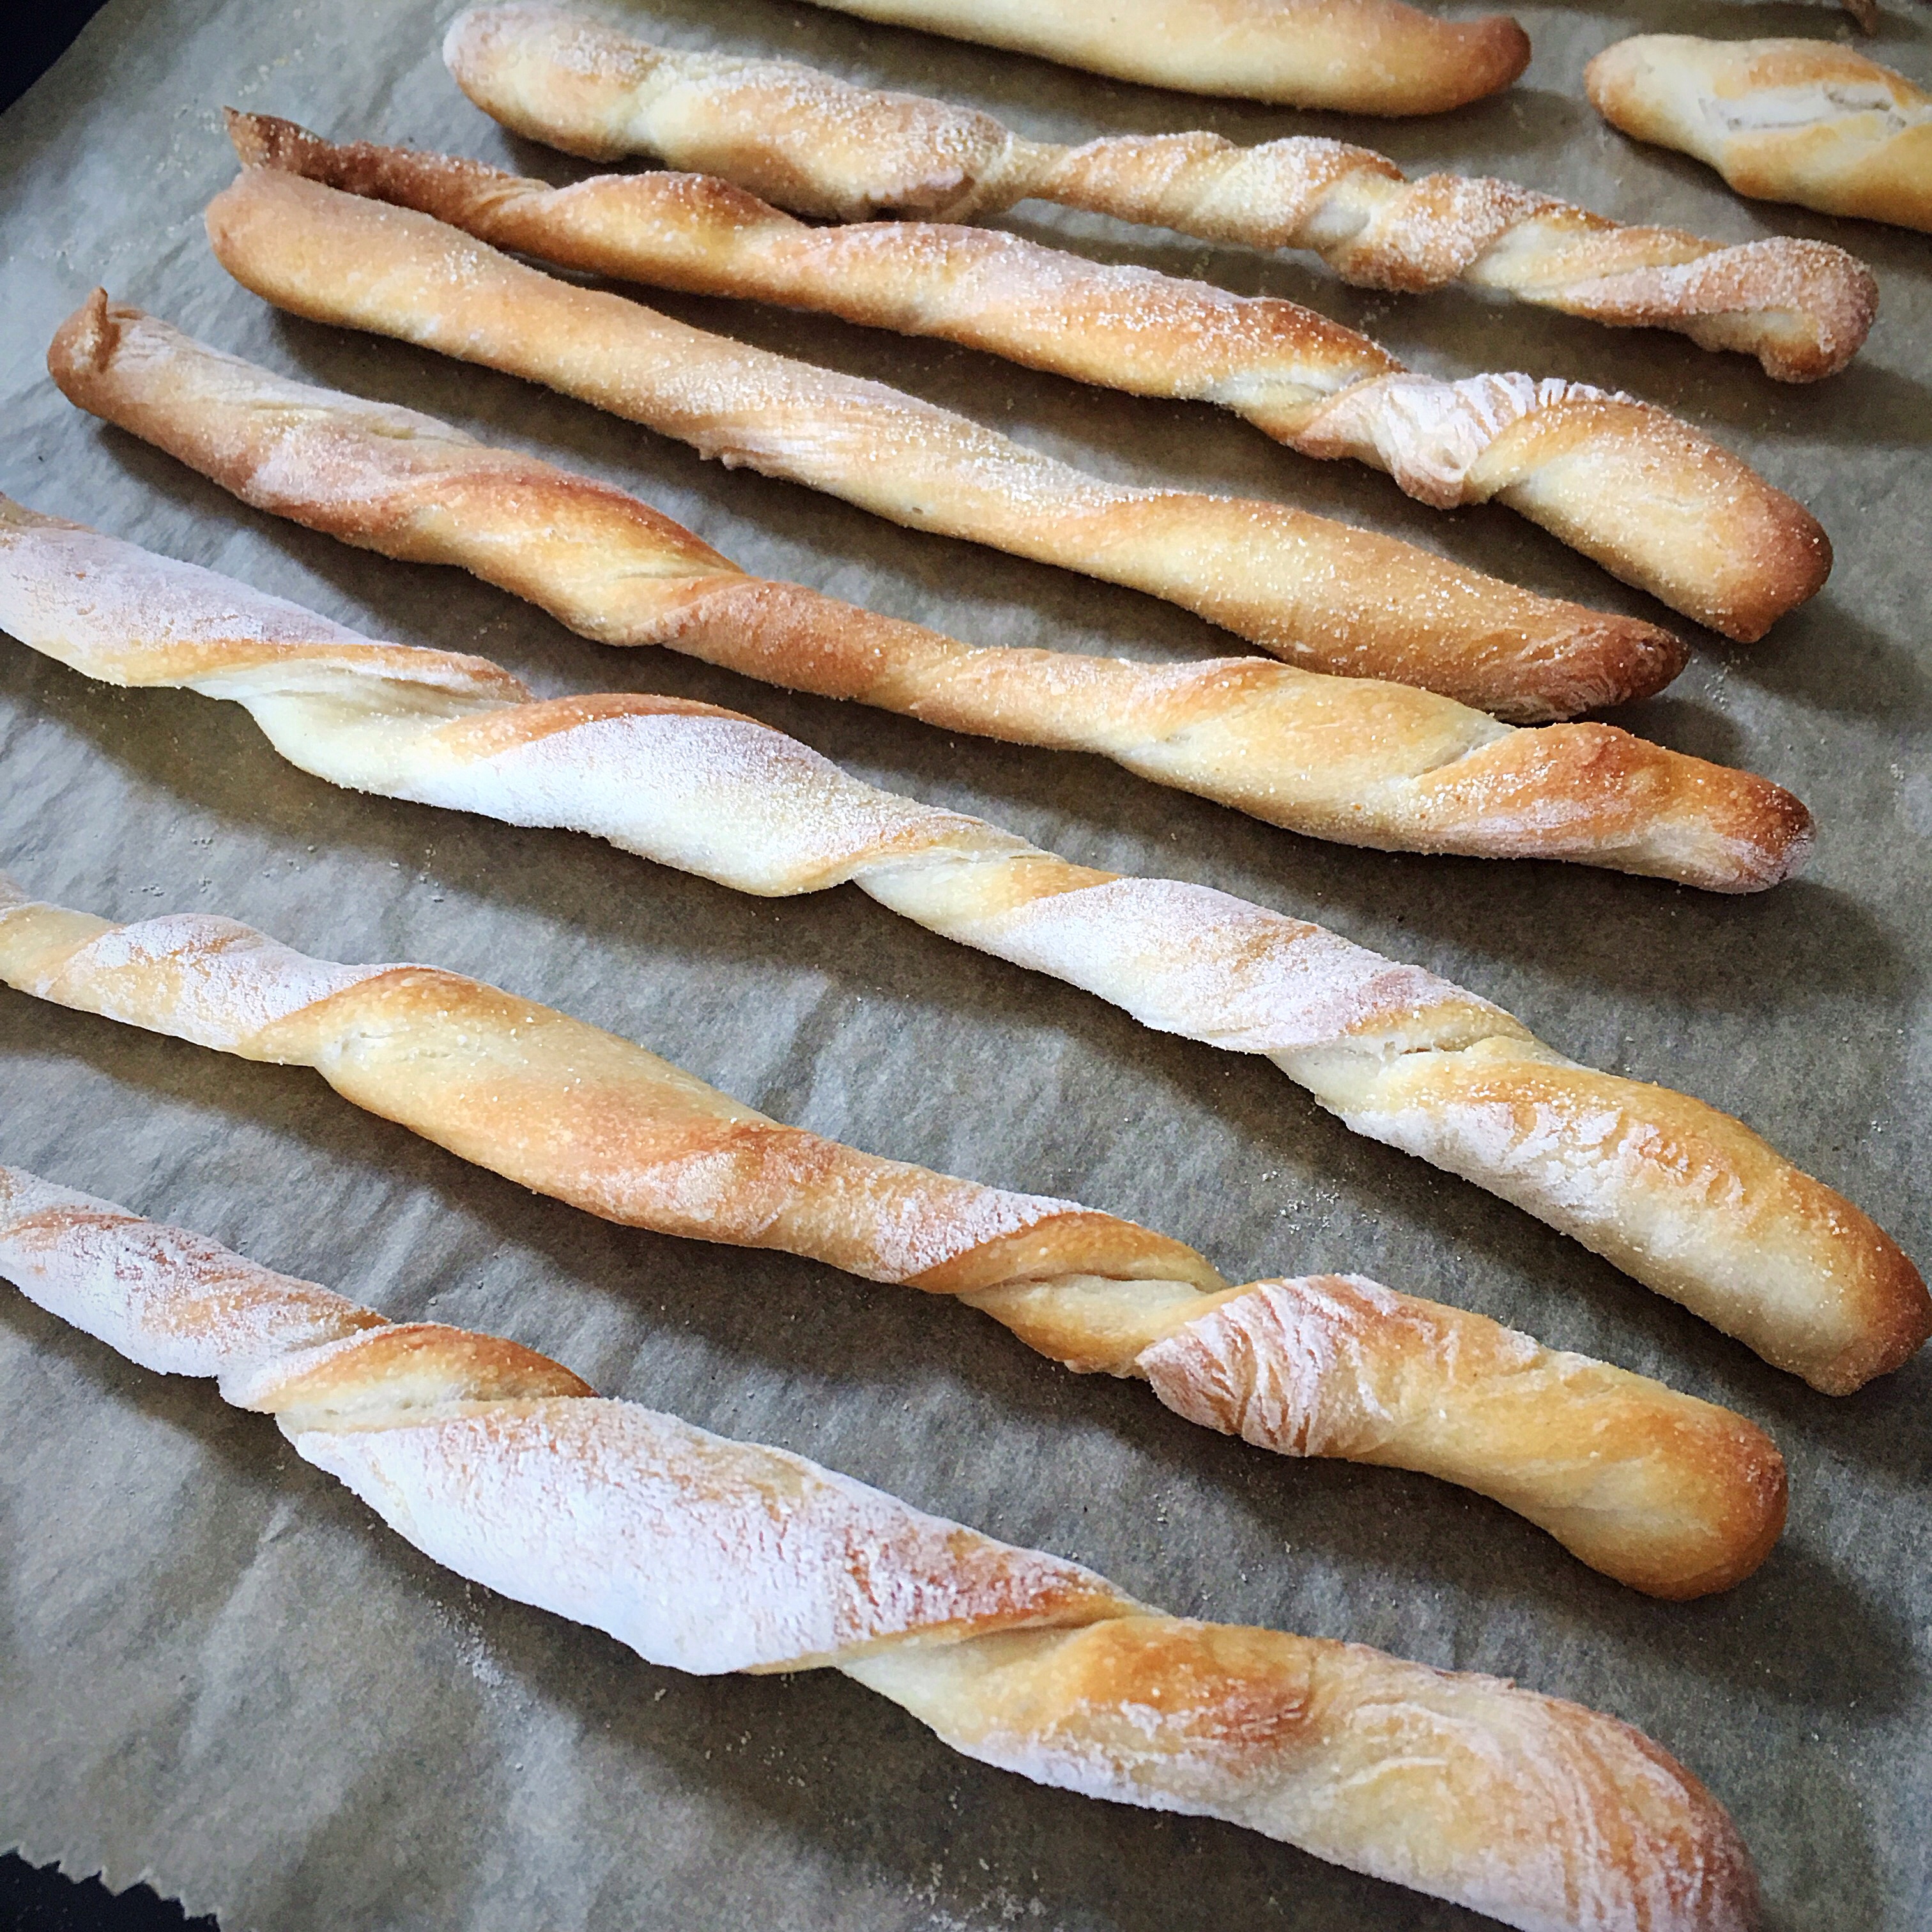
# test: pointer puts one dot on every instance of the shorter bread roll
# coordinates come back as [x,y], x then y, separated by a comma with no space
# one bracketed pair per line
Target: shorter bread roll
[1672,1496]
[1684,1198]
[1355,56]
[1352,759]
[1805,121]
[1642,493]
[709,1555]
[817,145]
[1319,594]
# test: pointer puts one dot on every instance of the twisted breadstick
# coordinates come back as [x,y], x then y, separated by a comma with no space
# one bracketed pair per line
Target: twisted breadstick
[1322,594]
[1346,758]
[820,145]
[1359,56]
[1686,1199]
[1642,493]
[1669,1495]
[711,1555]
[1799,121]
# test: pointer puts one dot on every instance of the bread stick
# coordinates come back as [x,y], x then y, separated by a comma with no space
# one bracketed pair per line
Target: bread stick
[1629,485]
[1319,594]
[1669,1495]
[1356,56]
[819,145]
[1680,1196]
[505,1467]
[1346,758]
[1806,122]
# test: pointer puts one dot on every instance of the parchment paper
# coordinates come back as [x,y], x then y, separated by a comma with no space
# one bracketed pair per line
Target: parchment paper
[219,1672]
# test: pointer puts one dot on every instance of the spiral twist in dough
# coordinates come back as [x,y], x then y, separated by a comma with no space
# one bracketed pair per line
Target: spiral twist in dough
[1322,594]
[1636,488]
[1352,759]
[820,145]
[1684,1198]
[709,1556]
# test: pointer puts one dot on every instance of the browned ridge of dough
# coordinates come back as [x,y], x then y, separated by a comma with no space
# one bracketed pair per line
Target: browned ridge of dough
[1640,491]
[1319,594]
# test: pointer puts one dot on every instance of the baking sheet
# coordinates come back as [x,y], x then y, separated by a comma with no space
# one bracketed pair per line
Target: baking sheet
[219,1673]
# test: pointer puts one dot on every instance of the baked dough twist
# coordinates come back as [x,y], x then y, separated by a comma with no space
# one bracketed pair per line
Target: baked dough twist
[1369,763]
[1668,1494]
[709,1554]
[1682,1197]
[820,145]
[1798,121]
[1320,594]
[1628,484]
[1356,56]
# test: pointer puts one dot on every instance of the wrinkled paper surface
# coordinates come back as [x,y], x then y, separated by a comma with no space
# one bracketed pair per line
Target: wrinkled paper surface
[220,1671]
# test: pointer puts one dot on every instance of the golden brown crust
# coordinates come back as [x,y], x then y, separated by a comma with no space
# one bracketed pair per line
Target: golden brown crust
[1803,308]
[1366,764]
[1330,597]
[1800,120]
[1654,502]
[388,1371]
[1619,787]
[820,145]
[1774,1257]
[1671,1495]
[1355,56]
[1661,506]
[1209,1704]
[503,1466]
[589,1118]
